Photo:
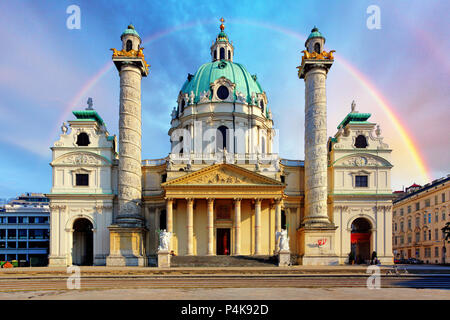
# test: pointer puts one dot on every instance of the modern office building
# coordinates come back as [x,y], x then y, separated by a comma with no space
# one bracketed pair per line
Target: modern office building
[24,229]
[418,218]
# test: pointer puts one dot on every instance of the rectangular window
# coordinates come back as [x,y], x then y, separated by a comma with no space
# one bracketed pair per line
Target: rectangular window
[429,218]
[409,239]
[436,251]
[31,219]
[2,245]
[425,235]
[417,206]
[443,215]
[427,252]
[22,245]
[401,227]
[429,234]
[12,234]
[436,234]
[417,253]
[82,179]
[402,240]
[409,209]
[361,181]
[12,220]
[409,224]
[435,199]
[417,221]
[424,218]
[394,213]
[436,216]
[417,237]
[401,212]
[395,240]
[427,203]
[443,197]
[22,234]
[2,234]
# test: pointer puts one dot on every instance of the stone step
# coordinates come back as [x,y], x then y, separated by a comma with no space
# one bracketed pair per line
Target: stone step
[223,261]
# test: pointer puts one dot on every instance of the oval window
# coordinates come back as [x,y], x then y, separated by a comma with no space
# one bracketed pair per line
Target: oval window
[222,92]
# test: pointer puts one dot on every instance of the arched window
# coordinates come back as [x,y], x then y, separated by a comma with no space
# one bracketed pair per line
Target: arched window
[221,138]
[222,53]
[129,45]
[83,139]
[215,55]
[183,103]
[317,47]
[361,141]
[229,54]
[261,104]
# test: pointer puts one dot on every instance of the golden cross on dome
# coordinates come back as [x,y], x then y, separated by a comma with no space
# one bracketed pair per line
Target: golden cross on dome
[222,26]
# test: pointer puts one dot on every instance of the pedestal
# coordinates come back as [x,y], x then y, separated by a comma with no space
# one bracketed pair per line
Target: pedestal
[126,247]
[316,245]
[284,258]
[163,259]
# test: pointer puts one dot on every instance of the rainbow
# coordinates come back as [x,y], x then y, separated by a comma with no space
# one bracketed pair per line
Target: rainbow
[388,108]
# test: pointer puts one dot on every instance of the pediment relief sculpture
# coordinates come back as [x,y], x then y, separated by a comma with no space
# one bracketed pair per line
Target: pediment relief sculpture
[362,161]
[81,158]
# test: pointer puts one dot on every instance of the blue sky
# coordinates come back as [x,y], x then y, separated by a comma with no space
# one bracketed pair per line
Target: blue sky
[44,66]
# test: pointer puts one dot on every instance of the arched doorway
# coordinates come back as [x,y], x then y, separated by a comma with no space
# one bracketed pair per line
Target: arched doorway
[83,243]
[360,240]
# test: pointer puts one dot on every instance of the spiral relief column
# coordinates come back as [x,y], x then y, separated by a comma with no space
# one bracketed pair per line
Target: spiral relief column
[128,233]
[316,225]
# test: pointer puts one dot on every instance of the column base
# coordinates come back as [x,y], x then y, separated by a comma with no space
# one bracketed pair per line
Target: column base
[163,259]
[126,247]
[317,245]
[57,261]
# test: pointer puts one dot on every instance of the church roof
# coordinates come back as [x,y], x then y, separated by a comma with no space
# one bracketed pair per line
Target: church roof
[354,118]
[88,115]
[211,71]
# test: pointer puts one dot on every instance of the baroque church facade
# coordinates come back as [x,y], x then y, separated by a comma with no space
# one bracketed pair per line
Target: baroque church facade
[222,190]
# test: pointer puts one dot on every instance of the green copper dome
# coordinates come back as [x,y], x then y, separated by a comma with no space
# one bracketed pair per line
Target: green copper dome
[130,30]
[211,71]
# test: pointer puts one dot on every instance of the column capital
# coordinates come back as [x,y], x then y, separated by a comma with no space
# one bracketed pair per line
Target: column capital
[210,200]
[237,200]
[168,198]
[258,200]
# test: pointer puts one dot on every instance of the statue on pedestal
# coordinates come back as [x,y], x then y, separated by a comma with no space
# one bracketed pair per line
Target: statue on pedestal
[164,240]
[283,240]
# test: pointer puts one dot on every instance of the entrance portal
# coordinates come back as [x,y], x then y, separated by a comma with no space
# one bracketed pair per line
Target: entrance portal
[83,251]
[360,239]
[223,241]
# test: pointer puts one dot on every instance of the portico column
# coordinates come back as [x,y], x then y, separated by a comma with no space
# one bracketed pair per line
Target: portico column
[169,220]
[237,227]
[190,226]
[210,227]
[277,215]
[258,227]
[169,214]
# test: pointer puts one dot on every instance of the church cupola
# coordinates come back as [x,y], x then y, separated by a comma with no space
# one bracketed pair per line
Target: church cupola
[130,39]
[315,41]
[222,49]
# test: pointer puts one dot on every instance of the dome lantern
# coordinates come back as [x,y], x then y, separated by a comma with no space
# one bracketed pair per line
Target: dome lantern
[222,49]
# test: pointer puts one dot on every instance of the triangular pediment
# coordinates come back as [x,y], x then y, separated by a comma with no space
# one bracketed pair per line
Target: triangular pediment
[224,174]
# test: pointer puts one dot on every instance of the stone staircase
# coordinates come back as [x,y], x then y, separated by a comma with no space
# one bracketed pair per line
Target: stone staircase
[223,261]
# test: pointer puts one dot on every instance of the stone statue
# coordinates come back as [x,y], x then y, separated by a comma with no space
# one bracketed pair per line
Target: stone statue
[64,128]
[174,113]
[191,97]
[90,103]
[253,99]
[204,96]
[378,131]
[164,240]
[241,97]
[353,106]
[270,113]
[283,240]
